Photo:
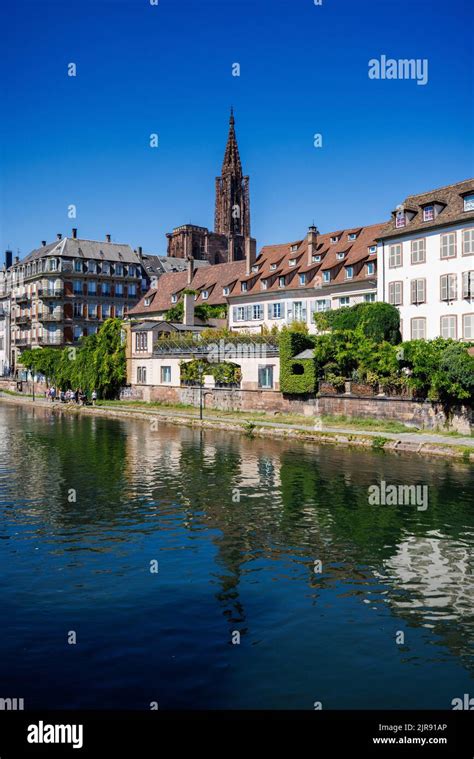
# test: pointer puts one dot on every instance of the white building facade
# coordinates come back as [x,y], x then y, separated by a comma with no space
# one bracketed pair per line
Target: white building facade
[426,264]
[291,282]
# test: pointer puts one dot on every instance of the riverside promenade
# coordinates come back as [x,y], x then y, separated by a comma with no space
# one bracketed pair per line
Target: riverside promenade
[418,441]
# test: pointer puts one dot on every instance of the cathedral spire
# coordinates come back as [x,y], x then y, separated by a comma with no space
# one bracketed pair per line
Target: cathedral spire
[231,160]
[232,214]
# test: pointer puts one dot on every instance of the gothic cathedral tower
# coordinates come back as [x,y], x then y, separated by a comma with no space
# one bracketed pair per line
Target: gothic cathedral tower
[232,213]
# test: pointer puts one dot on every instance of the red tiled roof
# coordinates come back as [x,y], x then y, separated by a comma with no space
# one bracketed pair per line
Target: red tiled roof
[450,197]
[357,252]
[211,278]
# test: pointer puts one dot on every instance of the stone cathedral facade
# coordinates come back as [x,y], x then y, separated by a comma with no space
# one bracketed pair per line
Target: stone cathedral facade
[231,239]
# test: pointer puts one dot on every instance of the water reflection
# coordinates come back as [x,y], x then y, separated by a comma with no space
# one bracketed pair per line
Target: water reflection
[237,520]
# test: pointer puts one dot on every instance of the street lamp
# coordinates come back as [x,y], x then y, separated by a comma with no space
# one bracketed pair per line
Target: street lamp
[200,370]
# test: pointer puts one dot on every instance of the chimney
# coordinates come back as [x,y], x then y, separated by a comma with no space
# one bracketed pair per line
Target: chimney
[59,236]
[190,269]
[43,243]
[17,260]
[74,233]
[140,251]
[188,316]
[312,243]
[107,237]
[250,254]
[8,258]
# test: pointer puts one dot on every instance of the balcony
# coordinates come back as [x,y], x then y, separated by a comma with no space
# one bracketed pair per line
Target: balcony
[50,340]
[48,294]
[23,319]
[21,340]
[23,298]
[50,317]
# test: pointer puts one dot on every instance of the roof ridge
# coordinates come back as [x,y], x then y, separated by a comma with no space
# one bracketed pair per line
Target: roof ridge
[87,239]
[444,187]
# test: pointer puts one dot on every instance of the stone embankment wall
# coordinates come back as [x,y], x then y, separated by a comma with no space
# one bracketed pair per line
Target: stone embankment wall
[419,414]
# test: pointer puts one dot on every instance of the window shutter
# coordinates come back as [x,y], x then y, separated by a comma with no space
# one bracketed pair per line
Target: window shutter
[444,287]
[414,291]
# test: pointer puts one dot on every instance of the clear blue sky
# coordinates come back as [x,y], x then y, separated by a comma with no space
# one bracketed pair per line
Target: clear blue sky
[167,69]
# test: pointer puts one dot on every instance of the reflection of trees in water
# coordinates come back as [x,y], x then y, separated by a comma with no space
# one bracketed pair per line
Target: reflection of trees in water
[297,502]
[55,453]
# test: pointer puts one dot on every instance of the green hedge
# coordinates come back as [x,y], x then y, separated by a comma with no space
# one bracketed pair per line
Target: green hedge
[376,321]
[296,376]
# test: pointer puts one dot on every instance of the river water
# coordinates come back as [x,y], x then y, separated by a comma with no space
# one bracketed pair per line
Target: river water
[203,569]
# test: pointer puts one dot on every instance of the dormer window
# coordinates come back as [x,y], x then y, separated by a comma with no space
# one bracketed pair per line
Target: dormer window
[205,294]
[340,256]
[293,248]
[226,291]
[428,213]
[349,272]
[334,240]
[273,266]
[264,284]
[370,268]
[400,219]
[281,281]
[174,298]
[244,287]
[326,276]
[373,249]
[316,259]
[352,236]
[292,262]
[255,268]
[469,202]
[147,301]
[302,278]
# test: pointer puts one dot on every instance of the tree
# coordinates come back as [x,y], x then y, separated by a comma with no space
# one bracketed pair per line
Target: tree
[377,321]
[97,364]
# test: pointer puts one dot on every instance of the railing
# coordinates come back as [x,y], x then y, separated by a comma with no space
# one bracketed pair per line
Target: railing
[22,319]
[50,340]
[22,341]
[56,293]
[23,298]
[50,317]
[239,344]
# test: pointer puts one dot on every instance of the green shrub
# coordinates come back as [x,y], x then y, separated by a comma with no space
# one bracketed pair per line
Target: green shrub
[224,372]
[376,321]
[297,376]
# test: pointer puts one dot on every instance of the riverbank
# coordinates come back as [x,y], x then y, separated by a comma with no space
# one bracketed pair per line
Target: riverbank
[416,441]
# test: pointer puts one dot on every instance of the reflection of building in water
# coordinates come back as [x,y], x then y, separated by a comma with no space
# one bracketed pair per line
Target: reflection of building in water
[437,575]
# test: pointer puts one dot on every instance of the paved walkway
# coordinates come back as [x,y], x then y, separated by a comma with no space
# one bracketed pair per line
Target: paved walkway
[413,438]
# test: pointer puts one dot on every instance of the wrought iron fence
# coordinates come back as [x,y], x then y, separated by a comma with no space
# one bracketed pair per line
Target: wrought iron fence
[199,347]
